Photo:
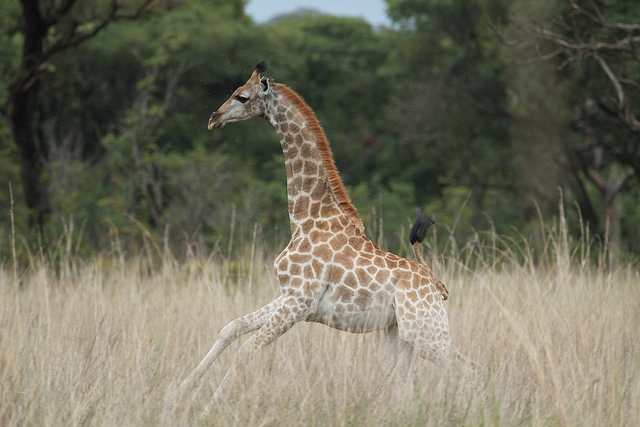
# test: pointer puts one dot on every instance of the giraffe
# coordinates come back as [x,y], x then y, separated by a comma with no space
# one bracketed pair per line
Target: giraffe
[330,272]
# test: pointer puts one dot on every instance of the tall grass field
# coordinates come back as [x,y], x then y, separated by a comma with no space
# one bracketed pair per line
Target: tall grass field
[107,341]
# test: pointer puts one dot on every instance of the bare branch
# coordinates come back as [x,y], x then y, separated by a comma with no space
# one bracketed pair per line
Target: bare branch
[606,43]
[624,108]
[572,45]
[614,80]
[630,83]
[74,38]
[539,58]
[597,179]
[62,10]
[173,82]
[598,18]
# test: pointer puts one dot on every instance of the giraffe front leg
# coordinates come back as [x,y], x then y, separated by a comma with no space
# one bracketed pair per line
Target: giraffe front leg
[228,334]
[396,352]
[290,312]
[463,361]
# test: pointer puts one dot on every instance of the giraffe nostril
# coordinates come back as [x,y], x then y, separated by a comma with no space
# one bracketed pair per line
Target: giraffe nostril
[212,120]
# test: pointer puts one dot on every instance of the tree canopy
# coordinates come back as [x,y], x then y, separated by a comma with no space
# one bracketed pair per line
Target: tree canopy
[485,114]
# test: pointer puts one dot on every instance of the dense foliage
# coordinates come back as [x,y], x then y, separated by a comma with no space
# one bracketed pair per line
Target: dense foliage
[455,109]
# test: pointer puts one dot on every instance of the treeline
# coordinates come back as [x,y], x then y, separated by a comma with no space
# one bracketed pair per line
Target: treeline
[486,114]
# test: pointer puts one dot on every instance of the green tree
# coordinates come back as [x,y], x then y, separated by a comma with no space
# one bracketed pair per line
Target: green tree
[47,29]
[594,47]
[338,66]
[451,119]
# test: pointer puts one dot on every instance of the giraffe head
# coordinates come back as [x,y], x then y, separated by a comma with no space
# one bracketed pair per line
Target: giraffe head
[246,102]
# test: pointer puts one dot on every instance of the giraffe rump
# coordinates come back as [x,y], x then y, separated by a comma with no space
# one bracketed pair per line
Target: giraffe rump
[419,230]
[416,235]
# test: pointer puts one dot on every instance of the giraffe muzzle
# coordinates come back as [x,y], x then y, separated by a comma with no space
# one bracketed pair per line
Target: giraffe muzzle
[215,122]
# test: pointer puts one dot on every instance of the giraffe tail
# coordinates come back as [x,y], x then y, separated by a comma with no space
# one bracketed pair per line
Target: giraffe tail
[416,235]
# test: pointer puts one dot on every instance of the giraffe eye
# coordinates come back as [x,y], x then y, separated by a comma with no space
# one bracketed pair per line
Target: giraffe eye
[242,99]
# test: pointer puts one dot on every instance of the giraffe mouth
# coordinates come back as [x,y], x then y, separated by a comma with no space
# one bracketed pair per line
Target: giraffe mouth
[214,122]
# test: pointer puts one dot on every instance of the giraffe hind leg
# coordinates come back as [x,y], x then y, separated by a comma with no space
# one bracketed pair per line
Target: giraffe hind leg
[396,351]
[443,353]
[423,324]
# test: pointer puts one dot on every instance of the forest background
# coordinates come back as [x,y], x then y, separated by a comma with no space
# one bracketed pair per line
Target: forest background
[489,115]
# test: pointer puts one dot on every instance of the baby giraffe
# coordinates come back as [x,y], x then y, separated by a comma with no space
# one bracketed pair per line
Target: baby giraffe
[330,272]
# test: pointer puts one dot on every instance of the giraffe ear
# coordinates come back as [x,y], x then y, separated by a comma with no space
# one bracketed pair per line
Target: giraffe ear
[265,85]
[261,66]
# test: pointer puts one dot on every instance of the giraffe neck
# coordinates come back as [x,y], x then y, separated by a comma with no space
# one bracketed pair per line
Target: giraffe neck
[314,188]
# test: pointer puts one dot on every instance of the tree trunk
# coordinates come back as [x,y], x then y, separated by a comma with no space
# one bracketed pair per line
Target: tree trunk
[24,90]
[23,99]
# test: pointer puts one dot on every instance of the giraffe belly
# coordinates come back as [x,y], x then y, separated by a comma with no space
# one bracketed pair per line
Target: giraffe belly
[361,313]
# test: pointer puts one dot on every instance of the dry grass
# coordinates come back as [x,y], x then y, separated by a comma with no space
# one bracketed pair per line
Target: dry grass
[106,342]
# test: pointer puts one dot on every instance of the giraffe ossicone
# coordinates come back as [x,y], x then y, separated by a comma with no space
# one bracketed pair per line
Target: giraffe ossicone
[330,272]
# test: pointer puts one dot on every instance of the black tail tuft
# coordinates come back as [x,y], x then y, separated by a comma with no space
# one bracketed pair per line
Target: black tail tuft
[420,227]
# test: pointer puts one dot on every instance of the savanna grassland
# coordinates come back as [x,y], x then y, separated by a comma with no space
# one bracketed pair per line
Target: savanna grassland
[106,341]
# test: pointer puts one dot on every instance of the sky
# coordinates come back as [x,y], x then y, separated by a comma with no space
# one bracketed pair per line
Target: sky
[373,11]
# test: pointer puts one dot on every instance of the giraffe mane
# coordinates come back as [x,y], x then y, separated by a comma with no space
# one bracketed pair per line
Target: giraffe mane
[335,182]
